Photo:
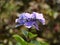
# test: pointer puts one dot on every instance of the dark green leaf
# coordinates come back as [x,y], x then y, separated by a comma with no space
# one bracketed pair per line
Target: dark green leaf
[31,35]
[20,39]
[35,42]
[25,33]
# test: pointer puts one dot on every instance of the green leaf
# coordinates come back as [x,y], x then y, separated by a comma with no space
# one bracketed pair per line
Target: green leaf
[25,33]
[35,42]
[28,34]
[31,44]
[20,39]
[31,35]
[18,43]
[45,43]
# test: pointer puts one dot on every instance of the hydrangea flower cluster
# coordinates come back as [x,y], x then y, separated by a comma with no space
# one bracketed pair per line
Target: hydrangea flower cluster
[29,20]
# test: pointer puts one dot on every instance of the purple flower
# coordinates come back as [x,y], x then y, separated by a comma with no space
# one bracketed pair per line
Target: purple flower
[39,16]
[29,20]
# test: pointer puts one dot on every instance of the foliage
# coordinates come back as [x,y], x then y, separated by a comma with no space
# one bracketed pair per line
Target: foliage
[48,34]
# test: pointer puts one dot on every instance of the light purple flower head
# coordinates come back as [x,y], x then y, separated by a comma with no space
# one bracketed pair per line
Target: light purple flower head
[39,16]
[29,20]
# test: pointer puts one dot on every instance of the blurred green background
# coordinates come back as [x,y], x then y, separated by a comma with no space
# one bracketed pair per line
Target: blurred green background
[48,34]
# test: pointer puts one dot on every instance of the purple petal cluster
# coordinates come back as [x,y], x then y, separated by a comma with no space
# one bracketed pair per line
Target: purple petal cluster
[29,20]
